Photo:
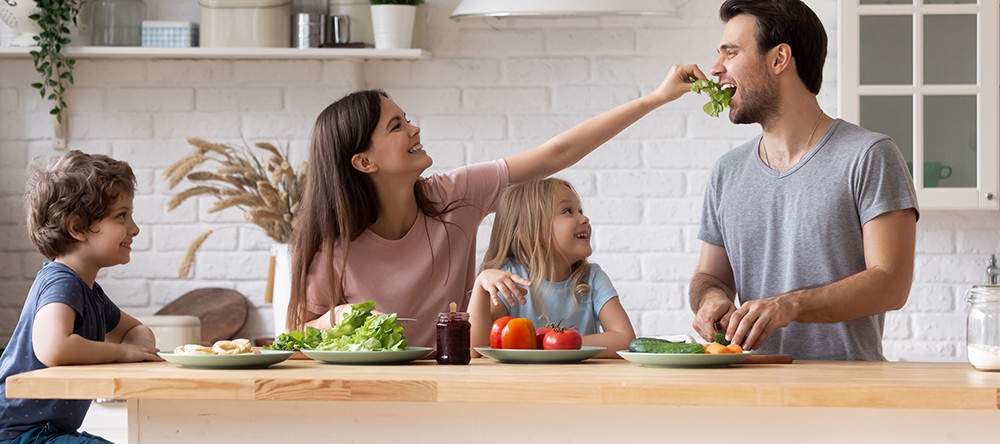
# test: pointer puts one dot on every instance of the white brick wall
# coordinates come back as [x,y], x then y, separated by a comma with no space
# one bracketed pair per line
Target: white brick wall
[493,88]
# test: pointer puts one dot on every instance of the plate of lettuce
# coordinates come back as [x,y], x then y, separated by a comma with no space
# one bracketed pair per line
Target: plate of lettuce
[359,338]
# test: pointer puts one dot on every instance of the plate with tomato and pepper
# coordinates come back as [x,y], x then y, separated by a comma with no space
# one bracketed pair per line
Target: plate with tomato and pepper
[536,356]
[516,341]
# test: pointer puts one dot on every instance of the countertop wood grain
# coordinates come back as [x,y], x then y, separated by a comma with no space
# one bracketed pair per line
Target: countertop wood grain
[801,384]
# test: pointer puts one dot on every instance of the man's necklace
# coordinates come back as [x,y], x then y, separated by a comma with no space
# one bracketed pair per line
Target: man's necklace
[811,134]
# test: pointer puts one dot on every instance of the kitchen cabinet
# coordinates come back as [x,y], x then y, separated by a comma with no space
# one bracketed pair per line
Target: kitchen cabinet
[599,400]
[925,72]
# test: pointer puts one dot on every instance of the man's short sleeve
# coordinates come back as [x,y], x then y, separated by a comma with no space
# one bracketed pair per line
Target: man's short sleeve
[883,183]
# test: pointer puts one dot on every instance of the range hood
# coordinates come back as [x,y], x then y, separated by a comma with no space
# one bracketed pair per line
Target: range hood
[561,8]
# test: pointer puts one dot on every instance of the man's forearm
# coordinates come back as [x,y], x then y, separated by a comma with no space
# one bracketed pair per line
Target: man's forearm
[705,286]
[869,292]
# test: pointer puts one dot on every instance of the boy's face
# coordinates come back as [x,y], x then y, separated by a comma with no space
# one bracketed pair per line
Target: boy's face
[109,240]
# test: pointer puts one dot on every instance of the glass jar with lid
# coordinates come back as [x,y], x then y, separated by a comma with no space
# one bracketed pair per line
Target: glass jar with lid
[117,22]
[983,338]
[453,338]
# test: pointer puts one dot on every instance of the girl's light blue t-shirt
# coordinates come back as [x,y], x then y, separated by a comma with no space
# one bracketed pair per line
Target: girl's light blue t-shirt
[557,297]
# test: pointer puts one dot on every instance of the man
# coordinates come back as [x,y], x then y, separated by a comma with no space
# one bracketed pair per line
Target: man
[813,223]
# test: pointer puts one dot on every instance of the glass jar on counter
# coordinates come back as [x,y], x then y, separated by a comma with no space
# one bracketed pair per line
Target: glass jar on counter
[454,338]
[983,338]
[117,22]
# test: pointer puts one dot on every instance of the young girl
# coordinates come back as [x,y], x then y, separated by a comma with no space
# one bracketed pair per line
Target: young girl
[371,228]
[541,240]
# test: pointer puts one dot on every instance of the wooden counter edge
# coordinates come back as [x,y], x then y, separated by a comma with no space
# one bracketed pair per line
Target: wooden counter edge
[64,384]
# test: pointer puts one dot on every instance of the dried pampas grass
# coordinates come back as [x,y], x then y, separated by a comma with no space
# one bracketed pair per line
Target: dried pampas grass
[268,191]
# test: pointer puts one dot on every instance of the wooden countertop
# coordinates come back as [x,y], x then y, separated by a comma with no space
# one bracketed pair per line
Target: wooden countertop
[802,384]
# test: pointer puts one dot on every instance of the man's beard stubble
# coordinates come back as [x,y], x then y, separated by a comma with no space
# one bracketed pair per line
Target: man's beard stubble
[756,106]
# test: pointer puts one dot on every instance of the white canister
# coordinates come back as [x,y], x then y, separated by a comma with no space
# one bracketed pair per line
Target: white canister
[173,330]
[245,23]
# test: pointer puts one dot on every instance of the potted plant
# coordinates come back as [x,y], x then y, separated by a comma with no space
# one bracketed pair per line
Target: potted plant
[48,25]
[392,22]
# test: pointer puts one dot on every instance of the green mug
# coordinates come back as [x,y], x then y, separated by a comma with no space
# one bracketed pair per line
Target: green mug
[933,172]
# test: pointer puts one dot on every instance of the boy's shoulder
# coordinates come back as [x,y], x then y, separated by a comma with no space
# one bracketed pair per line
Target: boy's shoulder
[55,277]
[56,271]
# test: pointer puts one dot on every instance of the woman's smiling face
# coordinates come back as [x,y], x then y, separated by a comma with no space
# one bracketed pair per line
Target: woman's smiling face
[395,145]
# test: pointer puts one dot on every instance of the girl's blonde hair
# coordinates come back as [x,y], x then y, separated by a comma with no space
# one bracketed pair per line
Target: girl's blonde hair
[522,232]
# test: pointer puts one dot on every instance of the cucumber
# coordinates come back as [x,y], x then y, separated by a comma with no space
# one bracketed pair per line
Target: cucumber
[654,345]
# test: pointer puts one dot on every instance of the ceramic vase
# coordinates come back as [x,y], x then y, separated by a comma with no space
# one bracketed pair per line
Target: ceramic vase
[279,285]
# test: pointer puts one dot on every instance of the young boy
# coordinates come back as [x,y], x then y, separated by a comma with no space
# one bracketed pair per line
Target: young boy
[79,216]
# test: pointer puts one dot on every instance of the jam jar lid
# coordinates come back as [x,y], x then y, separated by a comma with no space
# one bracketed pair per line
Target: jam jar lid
[983,293]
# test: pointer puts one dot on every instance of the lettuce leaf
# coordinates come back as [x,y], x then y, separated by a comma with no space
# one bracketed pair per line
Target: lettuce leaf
[718,97]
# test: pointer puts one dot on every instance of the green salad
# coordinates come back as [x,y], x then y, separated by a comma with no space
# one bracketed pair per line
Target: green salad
[717,95]
[360,330]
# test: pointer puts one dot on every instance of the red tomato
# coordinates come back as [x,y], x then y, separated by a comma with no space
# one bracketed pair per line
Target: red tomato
[540,335]
[563,339]
[497,329]
[518,333]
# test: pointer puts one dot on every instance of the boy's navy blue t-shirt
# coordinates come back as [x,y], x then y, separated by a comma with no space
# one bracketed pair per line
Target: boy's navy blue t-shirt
[96,315]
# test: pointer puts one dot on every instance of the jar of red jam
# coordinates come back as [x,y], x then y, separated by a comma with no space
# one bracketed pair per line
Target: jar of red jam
[453,338]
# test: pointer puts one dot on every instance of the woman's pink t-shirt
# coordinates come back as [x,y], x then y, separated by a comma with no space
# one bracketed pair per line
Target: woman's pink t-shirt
[433,264]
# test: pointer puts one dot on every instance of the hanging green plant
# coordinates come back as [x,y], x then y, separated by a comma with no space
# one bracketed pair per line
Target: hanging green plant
[54,17]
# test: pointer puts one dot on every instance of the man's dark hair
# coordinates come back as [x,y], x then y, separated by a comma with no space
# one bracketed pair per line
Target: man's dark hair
[791,22]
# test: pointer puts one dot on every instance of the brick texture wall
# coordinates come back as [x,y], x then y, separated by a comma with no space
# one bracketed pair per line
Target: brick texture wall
[493,88]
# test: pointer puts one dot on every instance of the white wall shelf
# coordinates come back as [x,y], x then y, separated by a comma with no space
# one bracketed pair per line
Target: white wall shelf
[356,57]
[134,52]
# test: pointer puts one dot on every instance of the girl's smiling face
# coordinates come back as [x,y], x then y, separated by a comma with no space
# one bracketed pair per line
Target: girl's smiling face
[570,228]
[395,145]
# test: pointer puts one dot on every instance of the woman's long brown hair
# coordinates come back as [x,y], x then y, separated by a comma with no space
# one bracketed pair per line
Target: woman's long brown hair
[339,202]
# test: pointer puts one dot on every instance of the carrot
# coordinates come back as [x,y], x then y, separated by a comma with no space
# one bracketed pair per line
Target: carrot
[716,348]
[734,348]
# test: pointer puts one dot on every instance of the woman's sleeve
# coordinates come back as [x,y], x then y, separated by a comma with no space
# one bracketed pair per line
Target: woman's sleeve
[478,185]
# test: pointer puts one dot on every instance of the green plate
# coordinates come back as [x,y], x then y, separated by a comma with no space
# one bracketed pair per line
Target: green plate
[684,359]
[247,360]
[369,357]
[527,356]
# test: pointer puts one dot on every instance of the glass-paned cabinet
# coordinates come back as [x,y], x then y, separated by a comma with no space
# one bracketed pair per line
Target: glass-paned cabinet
[925,72]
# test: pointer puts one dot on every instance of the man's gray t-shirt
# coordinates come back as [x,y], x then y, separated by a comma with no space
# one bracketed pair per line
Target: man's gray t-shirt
[802,228]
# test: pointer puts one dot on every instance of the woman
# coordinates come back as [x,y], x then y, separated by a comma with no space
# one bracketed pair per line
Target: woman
[371,228]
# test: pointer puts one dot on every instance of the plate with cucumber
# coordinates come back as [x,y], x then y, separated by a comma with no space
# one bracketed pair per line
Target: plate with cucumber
[654,352]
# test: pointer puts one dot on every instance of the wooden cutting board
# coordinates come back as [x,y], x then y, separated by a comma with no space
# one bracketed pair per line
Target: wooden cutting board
[767,359]
[222,311]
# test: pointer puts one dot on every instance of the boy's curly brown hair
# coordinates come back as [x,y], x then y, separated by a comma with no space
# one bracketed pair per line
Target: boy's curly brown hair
[76,184]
